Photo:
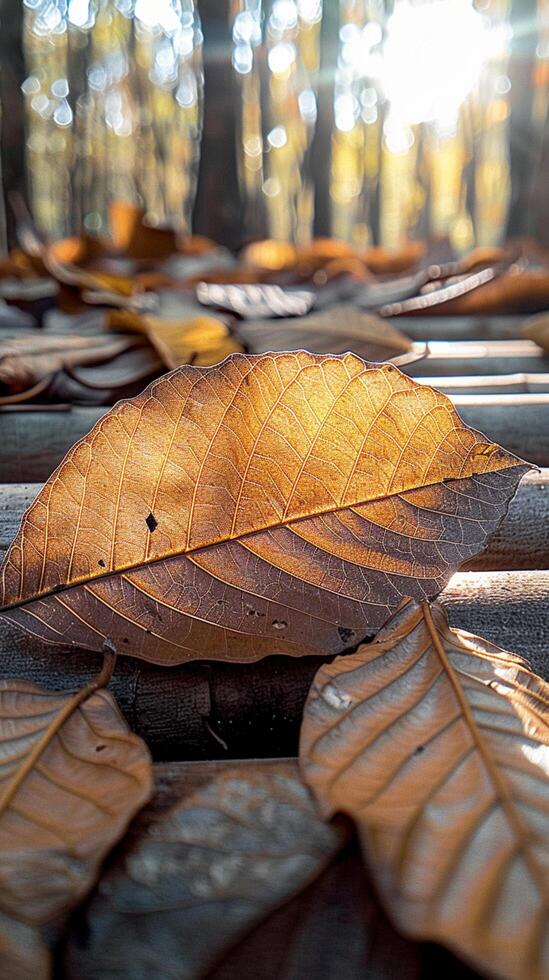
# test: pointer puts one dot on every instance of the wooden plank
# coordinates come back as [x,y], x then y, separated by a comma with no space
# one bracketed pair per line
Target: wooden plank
[226,710]
[522,541]
[427,328]
[490,384]
[333,928]
[32,444]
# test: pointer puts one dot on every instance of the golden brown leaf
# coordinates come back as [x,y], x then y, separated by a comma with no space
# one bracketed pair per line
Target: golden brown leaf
[62,808]
[276,503]
[134,238]
[200,340]
[436,743]
[196,880]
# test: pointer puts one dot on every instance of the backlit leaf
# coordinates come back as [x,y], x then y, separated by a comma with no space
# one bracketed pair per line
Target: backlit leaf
[200,340]
[278,503]
[196,880]
[436,743]
[71,778]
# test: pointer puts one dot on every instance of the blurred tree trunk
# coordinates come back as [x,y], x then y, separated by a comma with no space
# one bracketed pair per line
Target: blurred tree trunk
[12,134]
[524,147]
[217,211]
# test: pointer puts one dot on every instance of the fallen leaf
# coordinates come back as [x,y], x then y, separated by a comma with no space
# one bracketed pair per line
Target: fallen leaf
[335,928]
[134,238]
[201,340]
[339,329]
[254,301]
[273,503]
[71,778]
[536,328]
[436,743]
[195,881]
[27,360]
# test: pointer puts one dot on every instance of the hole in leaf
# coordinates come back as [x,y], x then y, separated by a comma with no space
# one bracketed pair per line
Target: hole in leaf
[151,522]
[279,624]
[99,748]
[101,562]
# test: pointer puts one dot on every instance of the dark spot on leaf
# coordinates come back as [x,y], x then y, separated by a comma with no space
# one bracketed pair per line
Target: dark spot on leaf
[345,634]
[125,639]
[101,562]
[151,522]
[420,749]
[99,748]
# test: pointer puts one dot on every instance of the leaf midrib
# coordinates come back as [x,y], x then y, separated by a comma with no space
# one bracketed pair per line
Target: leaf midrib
[133,566]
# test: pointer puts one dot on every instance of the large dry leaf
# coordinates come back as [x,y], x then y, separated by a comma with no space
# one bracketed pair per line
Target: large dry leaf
[277,503]
[436,742]
[336,330]
[200,340]
[66,795]
[203,875]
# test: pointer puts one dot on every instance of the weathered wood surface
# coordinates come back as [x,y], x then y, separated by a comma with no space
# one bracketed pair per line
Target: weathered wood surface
[460,327]
[474,357]
[255,709]
[490,384]
[333,928]
[32,444]
[522,541]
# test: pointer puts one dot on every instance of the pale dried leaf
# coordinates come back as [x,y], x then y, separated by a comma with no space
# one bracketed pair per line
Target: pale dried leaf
[75,800]
[277,503]
[436,743]
[202,876]
[27,360]
[337,330]
[255,300]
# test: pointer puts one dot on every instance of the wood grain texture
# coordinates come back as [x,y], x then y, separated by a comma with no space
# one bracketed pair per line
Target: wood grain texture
[200,877]
[206,710]
[521,541]
[334,928]
[272,503]
[32,444]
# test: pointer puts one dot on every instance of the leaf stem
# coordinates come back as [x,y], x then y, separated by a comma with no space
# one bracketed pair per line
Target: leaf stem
[98,682]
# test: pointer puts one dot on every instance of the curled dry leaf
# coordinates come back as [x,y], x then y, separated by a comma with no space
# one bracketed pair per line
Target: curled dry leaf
[72,776]
[436,743]
[27,360]
[337,330]
[200,340]
[203,875]
[278,503]
[254,301]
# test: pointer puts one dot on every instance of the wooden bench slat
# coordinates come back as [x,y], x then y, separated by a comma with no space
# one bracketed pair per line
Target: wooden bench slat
[32,444]
[256,708]
[522,541]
